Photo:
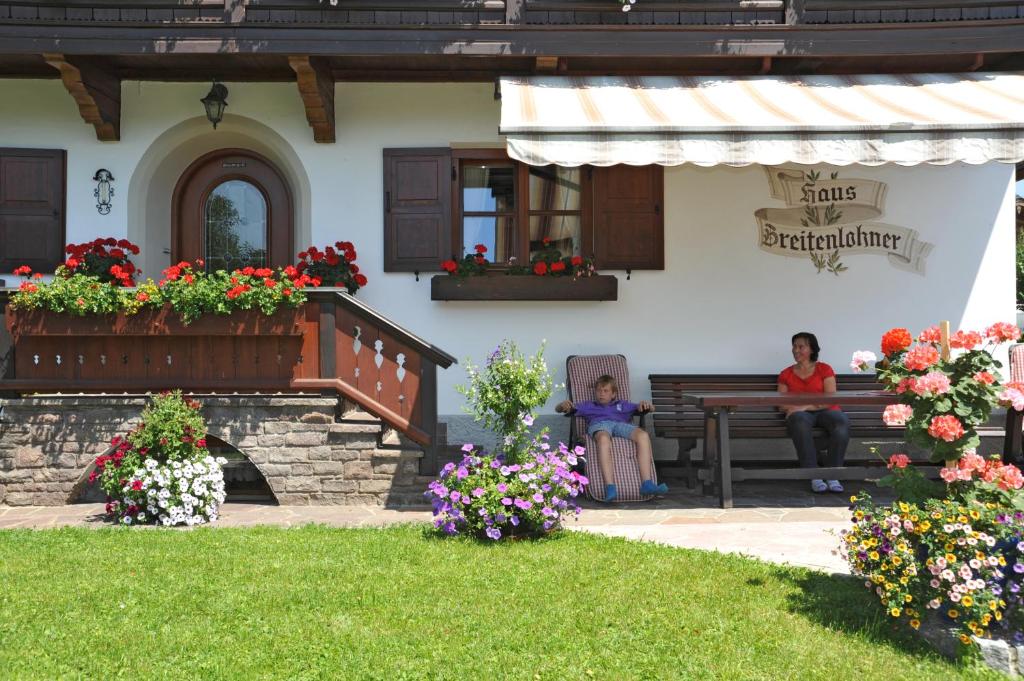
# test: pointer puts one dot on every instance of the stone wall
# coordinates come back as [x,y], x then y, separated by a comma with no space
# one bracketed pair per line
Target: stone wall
[307,454]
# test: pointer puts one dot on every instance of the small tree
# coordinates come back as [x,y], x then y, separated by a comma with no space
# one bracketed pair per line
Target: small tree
[504,393]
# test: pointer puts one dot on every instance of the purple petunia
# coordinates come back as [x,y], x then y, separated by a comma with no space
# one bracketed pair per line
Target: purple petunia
[493,532]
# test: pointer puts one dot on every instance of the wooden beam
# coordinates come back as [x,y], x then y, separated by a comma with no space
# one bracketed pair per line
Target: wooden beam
[316,87]
[979,61]
[766,65]
[97,93]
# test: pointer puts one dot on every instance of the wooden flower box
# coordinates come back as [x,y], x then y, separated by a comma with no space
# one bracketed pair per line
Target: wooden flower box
[524,287]
[153,350]
[155,322]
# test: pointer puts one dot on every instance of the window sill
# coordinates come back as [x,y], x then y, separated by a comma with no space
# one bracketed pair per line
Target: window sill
[524,287]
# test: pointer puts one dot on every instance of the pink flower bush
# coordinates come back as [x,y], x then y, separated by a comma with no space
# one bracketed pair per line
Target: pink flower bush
[897,414]
[944,400]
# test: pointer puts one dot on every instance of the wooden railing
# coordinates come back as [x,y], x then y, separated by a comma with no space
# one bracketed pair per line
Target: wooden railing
[334,344]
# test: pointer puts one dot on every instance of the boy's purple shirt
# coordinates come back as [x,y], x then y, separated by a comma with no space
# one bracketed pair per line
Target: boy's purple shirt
[616,410]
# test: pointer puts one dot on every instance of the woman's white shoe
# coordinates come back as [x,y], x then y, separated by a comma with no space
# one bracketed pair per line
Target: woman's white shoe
[818,486]
[835,486]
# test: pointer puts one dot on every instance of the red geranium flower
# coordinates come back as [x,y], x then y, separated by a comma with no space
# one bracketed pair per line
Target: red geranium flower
[557,266]
[449,266]
[540,268]
[480,248]
[895,340]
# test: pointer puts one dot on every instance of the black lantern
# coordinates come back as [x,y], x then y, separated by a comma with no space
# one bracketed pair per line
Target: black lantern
[215,101]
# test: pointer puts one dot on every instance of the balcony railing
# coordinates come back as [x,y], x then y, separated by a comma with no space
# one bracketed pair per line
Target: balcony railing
[333,344]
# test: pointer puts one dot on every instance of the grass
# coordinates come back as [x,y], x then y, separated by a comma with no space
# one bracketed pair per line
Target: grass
[325,603]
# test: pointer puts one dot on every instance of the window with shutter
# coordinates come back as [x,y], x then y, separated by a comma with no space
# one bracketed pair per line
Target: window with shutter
[441,203]
[629,228]
[31,208]
[417,209]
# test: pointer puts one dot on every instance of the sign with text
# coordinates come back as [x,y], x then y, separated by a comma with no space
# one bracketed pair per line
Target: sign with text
[826,218]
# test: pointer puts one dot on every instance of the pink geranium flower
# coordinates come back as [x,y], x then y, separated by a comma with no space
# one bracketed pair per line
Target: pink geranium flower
[931,384]
[920,357]
[899,460]
[946,427]
[1001,332]
[897,415]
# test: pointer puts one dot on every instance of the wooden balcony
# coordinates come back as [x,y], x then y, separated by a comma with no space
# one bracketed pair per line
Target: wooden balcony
[333,344]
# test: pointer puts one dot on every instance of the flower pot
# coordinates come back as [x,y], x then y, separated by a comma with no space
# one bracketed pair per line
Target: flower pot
[523,287]
[155,322]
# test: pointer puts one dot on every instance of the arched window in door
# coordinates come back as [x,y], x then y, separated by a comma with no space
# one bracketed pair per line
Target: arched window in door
[232,208]
[235,218]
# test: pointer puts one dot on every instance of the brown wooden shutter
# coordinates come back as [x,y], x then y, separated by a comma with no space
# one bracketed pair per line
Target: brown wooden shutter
[31,208]
[629,226]
[417,209]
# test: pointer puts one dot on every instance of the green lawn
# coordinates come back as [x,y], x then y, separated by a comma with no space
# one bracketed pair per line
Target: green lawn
[318,602]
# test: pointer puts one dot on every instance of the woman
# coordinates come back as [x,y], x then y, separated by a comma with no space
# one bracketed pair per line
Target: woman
[808,375]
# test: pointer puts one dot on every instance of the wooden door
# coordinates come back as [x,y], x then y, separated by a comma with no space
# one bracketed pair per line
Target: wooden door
[232,208]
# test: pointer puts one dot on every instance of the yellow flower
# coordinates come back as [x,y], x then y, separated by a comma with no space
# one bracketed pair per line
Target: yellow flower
[975,514]
[965,639]
[853,499]
[999,615]
[992,605]
[949,546]
[967,601]
[914,518]
[873,555]
[896,560]
[859,515]
[979,555]
[936,515]
[895,612]
[950,558]
[915,623]
[907,598]
[953,613]
[925,526]
[904,580]
[904,506]
[1002,561]
[986,619]
[990,505]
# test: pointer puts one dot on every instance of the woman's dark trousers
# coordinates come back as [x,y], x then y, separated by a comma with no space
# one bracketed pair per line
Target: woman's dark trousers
[800,425]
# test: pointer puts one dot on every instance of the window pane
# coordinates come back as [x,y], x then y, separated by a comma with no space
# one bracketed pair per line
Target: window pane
[488,189]
[563,230]
[554,188]
[496,233]
[236,227]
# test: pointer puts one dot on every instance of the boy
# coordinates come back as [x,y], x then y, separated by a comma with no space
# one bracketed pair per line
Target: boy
[607,417]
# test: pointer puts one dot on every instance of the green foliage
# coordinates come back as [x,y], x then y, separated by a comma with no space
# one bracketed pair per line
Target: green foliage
[76,294]
[504,394]
[190,292]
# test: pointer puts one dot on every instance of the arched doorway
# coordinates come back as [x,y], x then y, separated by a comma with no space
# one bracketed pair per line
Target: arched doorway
[232,208]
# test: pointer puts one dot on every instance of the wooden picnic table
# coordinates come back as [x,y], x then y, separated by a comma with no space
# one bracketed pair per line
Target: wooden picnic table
[717,407]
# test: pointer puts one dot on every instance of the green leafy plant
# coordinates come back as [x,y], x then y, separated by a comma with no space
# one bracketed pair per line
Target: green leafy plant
[504,394]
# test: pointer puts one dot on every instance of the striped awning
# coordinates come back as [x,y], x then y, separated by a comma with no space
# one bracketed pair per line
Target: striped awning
[711,120]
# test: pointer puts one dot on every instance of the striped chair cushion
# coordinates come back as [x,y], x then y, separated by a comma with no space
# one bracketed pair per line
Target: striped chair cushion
[582,372]
[1017,362]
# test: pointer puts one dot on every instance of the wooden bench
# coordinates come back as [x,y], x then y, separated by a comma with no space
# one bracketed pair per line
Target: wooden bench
[676,419]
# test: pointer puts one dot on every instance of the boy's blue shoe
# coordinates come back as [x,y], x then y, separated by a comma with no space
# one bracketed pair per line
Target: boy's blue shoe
[610,493]
[649,488]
